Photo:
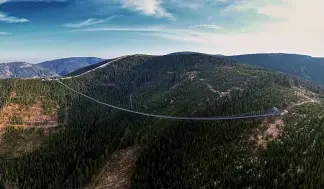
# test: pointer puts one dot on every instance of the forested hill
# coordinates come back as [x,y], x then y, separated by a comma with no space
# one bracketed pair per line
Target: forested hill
[307,67]
[171,154]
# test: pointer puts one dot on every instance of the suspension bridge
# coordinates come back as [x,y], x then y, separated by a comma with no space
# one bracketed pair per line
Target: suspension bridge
[274,112]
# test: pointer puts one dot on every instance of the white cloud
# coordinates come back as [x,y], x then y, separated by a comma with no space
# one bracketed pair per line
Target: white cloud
[209,26]
[297,29]
[90,21]
[147,7]
[11,19]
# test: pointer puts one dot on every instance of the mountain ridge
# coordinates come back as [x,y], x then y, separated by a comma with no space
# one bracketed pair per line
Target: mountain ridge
[304,66]
[51,68]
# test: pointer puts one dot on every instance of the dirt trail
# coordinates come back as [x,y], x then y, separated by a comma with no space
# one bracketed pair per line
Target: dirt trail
[118,171]
[305,99]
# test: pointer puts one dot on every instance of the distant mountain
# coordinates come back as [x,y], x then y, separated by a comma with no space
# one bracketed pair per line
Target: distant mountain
[23,70]
[67,65]
[59,67]
[303,66]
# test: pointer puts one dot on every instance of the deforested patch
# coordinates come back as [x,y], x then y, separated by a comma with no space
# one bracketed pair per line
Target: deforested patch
[223,93]
[185,77]
[118,171]
[191,75]
[19,115]
[270,130]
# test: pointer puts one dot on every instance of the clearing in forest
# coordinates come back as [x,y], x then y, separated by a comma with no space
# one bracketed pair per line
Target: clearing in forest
[118,171]
[33,116]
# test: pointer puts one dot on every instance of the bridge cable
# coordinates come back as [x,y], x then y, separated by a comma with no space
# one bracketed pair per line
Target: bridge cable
[172,117]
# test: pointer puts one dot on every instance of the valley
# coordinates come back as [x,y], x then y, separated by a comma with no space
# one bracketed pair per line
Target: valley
[90,145]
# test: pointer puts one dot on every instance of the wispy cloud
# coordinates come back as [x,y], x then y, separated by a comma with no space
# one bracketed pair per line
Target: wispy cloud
[156,31]
[90,21]
[4,33]
[147,7]
[178,35]
[196,4]
[138,29]
[11,19]
[209,26]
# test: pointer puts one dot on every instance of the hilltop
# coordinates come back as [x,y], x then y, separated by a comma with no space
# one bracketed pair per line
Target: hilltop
[85,146]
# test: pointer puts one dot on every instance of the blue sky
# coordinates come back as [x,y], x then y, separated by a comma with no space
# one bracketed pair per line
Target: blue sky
[38,30]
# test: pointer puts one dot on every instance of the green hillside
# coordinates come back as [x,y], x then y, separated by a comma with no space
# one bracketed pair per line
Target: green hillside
[173,154]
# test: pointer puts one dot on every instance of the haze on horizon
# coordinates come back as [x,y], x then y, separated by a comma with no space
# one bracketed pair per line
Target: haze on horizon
[38,30]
